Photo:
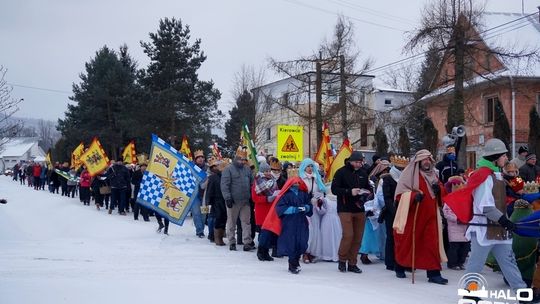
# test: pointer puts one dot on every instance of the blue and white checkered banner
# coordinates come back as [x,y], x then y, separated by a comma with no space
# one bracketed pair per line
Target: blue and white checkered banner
[170,184]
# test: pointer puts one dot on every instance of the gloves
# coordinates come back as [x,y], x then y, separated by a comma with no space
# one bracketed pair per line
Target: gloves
[307,208]
[506,223]
[436,189]
[3,201]
[301,209]
[418,197]
[291,210]
[270,199]
[229,203]
[382,214]
[370,213]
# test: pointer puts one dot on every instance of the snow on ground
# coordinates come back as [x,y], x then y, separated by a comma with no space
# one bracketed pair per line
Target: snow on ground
[55,250]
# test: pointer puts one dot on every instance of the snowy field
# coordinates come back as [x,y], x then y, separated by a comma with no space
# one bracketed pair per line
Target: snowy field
[55,250]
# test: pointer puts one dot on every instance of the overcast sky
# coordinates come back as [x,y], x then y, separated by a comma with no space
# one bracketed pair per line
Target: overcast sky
[45,44]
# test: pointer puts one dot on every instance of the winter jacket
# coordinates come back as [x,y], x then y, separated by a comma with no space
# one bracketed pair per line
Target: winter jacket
[36,170]
[529,173]
[44,171]
[72,182]
[118,176]
[29,170]
[85,179]
[214,196]
[236,183]
[447,168]
[345,179]
[456,231]
[293,240]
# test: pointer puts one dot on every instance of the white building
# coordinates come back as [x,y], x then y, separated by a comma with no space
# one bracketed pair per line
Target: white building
[291,101]
[16,149]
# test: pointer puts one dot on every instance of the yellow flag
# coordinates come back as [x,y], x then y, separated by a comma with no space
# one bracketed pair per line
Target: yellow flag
[76,155]
[48,160]
[324,154]
[184,149]
[339,161]
[129,155]
[95,158]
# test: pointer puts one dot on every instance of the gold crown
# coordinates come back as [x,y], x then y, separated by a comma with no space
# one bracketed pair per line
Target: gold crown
[198,153]
[292,172]
[241,152]
[399,161]
[530,187]
[142,159]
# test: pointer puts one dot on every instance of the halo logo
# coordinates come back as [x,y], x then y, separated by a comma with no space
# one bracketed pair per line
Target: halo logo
[474,287]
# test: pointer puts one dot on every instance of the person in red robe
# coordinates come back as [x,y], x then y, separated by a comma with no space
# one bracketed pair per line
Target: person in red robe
[418,223]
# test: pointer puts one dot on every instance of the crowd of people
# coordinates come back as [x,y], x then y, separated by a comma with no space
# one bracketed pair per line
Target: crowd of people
[397,210]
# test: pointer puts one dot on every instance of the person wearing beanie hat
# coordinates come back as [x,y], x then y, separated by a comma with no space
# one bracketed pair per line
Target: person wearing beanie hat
[263,193]
[489,228]
[352,188]
[519,160]
[214,198]
[529,171]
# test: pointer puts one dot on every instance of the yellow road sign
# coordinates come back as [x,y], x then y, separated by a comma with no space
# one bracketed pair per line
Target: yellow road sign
[290,143]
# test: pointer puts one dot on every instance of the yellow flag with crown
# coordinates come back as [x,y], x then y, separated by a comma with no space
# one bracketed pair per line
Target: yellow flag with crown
[95,159]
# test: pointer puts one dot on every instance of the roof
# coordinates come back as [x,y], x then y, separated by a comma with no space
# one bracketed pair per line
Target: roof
[511,32]
[17,146]
[308,74]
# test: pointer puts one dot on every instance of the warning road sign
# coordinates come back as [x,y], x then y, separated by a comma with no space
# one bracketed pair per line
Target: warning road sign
[290,143]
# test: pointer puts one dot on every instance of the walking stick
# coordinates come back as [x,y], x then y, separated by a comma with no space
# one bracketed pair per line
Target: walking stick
[414,241]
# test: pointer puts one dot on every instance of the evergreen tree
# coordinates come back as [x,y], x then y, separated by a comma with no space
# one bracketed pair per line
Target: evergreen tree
[242,112]
[101,99]
[181,103]
[501,127]
[404,143]
[431,136]
[534,131]
[381,142]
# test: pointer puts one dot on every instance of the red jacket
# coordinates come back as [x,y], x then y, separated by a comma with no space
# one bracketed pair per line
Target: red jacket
[85,179]
[37,170]
[262,206]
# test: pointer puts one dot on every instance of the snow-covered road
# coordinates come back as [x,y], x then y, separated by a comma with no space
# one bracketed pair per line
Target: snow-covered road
[55,250]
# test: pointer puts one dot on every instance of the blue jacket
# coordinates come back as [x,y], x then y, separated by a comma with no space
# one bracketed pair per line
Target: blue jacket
[293,240]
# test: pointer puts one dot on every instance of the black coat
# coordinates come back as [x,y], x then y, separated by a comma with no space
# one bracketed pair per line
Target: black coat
[345,179]
[447,168]
[118,176]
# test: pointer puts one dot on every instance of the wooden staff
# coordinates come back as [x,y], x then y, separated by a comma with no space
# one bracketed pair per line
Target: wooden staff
[414,240]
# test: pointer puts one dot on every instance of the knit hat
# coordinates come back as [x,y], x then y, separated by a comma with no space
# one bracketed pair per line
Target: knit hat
[356,156]
[494,157]
[264,167]
[523,149]
[530,156]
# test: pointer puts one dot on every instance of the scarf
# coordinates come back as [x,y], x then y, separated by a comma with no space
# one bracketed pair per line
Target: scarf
[410,177]
[379,168]
[488,164]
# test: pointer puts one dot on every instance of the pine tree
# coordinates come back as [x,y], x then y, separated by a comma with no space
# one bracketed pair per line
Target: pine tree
[431,135]
[534,131]
[101,99]
[404,143]
[182,103]
[381,142]
[242,112]
[501,127]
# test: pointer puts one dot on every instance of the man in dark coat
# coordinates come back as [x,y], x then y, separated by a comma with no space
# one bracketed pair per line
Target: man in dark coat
[351,186]
[118,176]
[136,180]
[530,170]
[214,198]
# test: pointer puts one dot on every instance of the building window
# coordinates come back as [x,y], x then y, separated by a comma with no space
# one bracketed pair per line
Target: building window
[471,159]
[388,102]
[490,108]
[268,134]
[363,134]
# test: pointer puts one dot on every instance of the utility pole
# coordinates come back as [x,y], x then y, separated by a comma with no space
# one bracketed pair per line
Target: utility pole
[318,99]
[343,97]
[309,115]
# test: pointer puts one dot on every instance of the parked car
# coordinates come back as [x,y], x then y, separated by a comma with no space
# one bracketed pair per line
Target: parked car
[8,172]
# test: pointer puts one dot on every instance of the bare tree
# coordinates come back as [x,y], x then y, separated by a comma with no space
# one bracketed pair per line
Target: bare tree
[46,133]
[8,106]
[453,27]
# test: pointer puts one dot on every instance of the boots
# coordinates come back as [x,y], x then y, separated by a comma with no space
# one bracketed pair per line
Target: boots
[218,237]
[263,255]
[365,259]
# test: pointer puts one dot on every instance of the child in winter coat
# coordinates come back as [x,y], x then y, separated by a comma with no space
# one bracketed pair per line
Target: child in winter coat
[292,208]
[459,246]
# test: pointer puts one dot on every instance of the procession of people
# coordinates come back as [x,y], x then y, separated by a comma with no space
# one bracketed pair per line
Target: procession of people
[409,213]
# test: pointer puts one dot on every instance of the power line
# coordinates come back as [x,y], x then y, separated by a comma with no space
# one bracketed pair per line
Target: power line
[335,13]
[515,27]
[41,89]
[373,12]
